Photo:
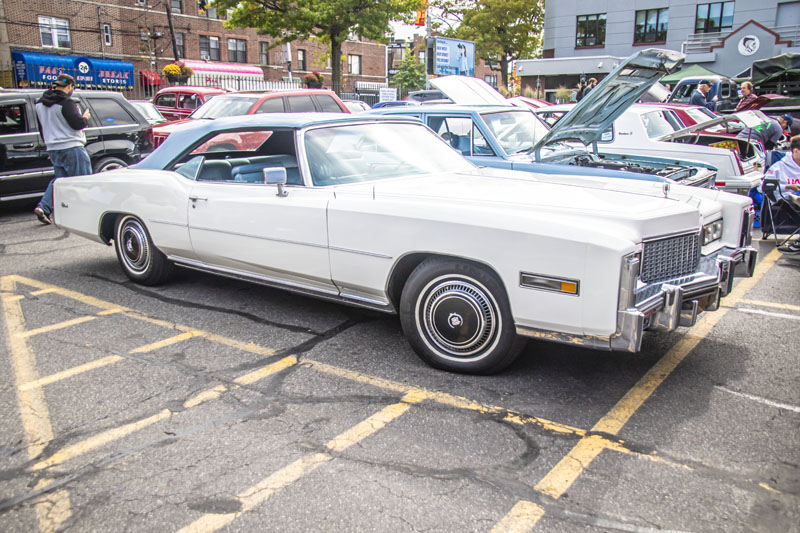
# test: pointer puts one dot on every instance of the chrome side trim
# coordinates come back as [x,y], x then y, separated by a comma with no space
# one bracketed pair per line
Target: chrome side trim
[260,237]
[168,222]
[315,292]
[21,196]
[359,252]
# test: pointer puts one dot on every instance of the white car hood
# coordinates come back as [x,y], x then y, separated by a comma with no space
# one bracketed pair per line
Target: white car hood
[642,205]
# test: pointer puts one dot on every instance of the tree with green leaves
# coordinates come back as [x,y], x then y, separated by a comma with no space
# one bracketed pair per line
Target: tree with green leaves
[503,29]
[330,21]
[411,72]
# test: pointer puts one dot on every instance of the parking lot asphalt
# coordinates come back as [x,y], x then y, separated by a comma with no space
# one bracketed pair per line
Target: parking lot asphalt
[208,404]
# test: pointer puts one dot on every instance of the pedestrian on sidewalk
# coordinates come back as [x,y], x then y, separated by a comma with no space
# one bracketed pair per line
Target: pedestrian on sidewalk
[61,125]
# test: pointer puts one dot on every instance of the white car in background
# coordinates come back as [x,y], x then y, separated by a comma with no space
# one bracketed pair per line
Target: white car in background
[658,132]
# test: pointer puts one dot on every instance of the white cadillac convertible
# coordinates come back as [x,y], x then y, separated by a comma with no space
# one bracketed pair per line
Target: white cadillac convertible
[380,212]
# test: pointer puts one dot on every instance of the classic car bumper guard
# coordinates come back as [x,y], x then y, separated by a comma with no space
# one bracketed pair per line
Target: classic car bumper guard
[665,305]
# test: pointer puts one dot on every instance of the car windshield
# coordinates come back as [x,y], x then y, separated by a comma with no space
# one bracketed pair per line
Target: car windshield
[700,114]
[368,152]
[225,106]
[149,111]
[514,130]
[659,123]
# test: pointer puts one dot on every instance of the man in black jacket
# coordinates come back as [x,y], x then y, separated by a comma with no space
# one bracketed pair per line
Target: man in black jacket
[61,125]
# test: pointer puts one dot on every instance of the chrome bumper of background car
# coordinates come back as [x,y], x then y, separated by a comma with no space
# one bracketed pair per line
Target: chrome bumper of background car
[666,305]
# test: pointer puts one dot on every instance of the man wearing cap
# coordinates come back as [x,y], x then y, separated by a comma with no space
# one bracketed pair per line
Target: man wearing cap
[61,125]
[700,96]
[770,132]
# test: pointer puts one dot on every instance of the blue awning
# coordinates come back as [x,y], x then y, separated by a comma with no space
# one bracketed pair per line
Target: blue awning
[39,69]
[33,68]
[106,72]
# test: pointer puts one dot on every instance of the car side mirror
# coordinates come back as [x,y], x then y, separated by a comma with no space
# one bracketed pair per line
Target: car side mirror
[276,176]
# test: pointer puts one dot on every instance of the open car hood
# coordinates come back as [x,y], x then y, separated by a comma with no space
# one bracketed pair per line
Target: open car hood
[464,90]
[750,119]
[587,121]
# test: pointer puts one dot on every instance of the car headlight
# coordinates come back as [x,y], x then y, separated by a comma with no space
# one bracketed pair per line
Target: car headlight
[712,232]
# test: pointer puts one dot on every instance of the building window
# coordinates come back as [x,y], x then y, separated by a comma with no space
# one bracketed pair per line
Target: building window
[651,26]
[353,64]
[263,53]
[301,60]
[204,10]
[237,50]
[54,32]
[421,56]
[176,6]
[209,47]
[107,34]
[712,18]
[491,79]
[591,30]
[179,42]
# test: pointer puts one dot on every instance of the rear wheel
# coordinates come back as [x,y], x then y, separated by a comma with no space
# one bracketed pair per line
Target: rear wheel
[456,316]
[108,163]
[139,258]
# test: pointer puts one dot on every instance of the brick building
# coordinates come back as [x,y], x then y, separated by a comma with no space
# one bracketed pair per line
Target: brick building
[136,33]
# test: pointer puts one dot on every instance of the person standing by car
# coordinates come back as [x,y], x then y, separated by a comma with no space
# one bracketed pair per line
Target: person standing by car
[748,96]
[770,132]
[61,125]
[590,84]
[700,96]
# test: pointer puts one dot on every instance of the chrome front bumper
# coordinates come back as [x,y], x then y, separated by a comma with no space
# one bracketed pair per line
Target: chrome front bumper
[666,305]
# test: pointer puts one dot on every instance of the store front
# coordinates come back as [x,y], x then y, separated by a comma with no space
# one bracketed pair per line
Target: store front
[36,69]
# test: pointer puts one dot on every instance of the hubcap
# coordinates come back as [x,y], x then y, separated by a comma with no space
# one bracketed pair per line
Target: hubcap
[458,317]
[135,250]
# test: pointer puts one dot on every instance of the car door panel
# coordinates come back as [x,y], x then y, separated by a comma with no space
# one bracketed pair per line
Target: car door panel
[246,227]
[24,167]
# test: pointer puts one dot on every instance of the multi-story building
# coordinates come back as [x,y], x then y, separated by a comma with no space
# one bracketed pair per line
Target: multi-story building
[126,43]
[588,38]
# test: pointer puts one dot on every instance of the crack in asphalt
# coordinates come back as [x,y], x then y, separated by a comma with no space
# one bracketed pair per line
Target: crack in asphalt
[194,305]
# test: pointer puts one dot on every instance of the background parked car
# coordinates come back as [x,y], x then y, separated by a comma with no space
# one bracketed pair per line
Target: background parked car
[356,106]
[725,89]
[149,111]
[118,135]
[252,103]
[425,95]
[176,103]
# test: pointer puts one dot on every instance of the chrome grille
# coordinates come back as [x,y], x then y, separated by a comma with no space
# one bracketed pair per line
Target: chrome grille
[670,258]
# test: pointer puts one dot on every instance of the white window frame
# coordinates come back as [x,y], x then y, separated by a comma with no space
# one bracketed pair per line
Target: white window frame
[53,26]
[350,64]
[107,34]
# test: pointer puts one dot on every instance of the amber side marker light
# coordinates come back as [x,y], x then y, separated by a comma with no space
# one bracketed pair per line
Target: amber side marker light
[549,283]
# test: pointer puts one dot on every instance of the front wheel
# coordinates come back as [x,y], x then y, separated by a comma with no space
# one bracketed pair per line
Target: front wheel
[139,258]
[456,316]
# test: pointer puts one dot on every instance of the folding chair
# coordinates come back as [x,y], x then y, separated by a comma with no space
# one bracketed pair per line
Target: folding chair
[778,213]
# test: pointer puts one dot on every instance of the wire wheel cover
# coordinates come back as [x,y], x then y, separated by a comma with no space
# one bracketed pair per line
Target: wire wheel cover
[134,246]
[458,317]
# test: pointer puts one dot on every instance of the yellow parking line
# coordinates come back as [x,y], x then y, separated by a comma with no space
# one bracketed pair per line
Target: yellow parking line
[443,398]
[561,477]
[53,510]
[760,303]
[44,291]
[166,342]
[13,297]
[268,487]
[74,371]
[54,327]
[106,437]
[519,518]
[111,311]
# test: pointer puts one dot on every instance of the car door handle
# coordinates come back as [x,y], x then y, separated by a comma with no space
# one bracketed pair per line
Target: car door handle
[23,146]
[198,198]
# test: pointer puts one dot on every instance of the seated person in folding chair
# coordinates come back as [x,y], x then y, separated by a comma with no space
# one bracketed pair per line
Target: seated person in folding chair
[787,171]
